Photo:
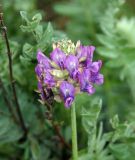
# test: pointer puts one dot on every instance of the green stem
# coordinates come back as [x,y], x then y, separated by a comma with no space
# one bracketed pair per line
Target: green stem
[74,133]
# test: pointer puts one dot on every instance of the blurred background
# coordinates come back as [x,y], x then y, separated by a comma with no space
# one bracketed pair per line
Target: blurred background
[107,24]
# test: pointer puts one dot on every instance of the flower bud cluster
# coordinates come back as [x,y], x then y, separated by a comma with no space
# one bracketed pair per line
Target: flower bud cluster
[69,70]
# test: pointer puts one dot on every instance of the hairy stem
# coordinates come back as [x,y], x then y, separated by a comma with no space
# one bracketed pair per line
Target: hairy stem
[74,133]
[4,29]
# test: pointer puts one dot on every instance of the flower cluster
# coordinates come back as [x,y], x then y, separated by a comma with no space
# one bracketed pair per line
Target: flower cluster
[69,70]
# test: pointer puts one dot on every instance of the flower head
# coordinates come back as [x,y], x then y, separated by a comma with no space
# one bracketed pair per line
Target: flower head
[69,70]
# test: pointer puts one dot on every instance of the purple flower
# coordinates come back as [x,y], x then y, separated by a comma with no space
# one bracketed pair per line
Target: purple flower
[97,78]
[42,69]
[44,60]
[94,66]
[90,52]
[58,57]
[72,65]
[39,69]
[67,73]
[39,86]
[85,52]
[49,79]
[67,92]
[85,84]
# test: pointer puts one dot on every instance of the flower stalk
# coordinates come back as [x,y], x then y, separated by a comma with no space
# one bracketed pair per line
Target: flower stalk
[74,133]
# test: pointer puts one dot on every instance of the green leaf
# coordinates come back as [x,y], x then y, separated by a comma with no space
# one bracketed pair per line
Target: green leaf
[96,146]
[39,32]
[46,39]
[108,53]
[37,17]
[90,115]
[35,148]
[58,36]
[107,41]
[30,25]
[115,121]
[9,132]
[24,15]
[123,151]
[29,52]
[27,48]
[25,60]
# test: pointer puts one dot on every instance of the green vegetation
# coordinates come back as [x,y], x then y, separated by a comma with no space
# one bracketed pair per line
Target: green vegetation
[105,120]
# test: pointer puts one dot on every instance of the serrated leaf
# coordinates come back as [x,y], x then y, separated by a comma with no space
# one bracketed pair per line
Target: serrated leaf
[27,48]
[30,25]
[46,39]
[37,17]
[29,52]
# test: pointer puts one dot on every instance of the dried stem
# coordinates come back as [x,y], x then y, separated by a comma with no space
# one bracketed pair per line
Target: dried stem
[7,101]
[57,129]
[56,126]
[4,29]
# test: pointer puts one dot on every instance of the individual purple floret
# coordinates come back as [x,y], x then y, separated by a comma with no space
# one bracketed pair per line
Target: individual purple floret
[97,78]
[58,57]
[85,52]
[72,65]
[94,66]
[42,59]
[67,92]
[39,69]
[49,79]
[69,70]
[85,84]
